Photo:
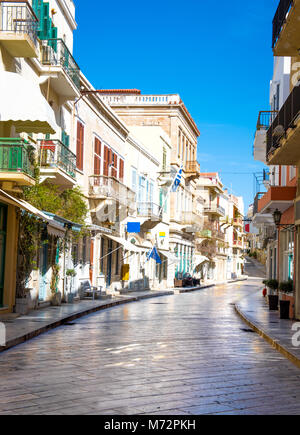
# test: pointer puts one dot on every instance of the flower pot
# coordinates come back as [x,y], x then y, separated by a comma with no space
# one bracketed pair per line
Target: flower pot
[284,309]
[70,298]
[273,302]
[56,300]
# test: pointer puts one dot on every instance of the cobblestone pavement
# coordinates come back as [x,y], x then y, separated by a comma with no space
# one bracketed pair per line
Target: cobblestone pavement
[182,354]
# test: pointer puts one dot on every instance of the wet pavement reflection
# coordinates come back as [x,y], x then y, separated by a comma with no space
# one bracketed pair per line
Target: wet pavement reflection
[181,354]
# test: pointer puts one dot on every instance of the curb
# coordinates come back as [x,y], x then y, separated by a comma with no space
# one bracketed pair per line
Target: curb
[272,341]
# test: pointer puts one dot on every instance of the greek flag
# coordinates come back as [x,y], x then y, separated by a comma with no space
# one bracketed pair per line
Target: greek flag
[177,180]
[154,254]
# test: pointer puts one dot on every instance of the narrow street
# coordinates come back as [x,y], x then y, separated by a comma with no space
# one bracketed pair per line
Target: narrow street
[183,354]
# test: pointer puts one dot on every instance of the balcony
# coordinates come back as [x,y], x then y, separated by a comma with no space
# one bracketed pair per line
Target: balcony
[277,197]
[191,222]
[286,33]
[192,169]
[102,187]
[18,29]
[237,244]
[260,218]
[283,135]
[65,73]
[238,222]
[265,119]
[215,210]
[151,214]
[16,163]
[57,163]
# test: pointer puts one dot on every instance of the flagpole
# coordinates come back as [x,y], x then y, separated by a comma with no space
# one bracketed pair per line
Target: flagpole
[170,190]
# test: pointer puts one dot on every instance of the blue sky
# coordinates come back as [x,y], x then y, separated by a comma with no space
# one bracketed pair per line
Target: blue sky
[216,55]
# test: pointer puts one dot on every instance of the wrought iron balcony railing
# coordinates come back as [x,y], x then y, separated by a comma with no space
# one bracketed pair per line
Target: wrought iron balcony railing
[284,120]
[237,243]
[110,187]
[54,52]
[149,209]
[19,18]
[16,156]
[215,209]
[280,18]
[53,153]
[265,119]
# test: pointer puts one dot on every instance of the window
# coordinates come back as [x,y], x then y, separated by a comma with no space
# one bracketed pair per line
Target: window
[114,165]
[97,157]
[179,143]
[292,172]
[80,145]
[133,179]
[283,175]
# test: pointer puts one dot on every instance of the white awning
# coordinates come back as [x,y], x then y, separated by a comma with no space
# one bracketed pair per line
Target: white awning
[23,105]
[53,227]
[171,257]
[199,259]
[125,243]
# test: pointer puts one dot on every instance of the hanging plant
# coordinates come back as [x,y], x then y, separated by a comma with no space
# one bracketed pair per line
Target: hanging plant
[28,242]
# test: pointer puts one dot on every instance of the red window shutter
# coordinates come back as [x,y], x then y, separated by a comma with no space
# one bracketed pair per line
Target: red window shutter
[97,159]
[121,170]
[79,147]
[97,147]
[106,161]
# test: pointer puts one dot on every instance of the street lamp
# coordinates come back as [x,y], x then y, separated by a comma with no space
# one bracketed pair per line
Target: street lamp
[277,217]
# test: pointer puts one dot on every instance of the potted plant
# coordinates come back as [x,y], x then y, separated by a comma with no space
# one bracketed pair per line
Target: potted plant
[273,284]
[56,296]
[70,274]
[287,288]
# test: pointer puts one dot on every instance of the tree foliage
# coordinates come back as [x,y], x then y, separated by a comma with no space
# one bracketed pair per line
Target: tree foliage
[69,204]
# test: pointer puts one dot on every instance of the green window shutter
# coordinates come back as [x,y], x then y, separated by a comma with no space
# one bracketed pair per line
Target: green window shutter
[65,139]
[53,32]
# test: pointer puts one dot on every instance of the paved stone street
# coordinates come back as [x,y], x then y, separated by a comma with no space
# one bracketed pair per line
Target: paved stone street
[180,354]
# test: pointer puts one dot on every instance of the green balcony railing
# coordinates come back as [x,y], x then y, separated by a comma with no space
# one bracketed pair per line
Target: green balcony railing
[55,52]
[16,156]
[53,153]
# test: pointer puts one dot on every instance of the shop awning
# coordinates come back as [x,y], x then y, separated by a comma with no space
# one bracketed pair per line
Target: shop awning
[54,228]
[171,257]
[125,243]
[199,259]
[23,105]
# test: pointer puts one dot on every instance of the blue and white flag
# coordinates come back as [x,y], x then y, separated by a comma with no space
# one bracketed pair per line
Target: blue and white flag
[177,180]
[154,254]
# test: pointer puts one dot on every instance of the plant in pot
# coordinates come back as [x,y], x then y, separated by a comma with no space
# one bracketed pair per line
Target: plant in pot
[56,296]
[287,288]
[70,274]
[273,284]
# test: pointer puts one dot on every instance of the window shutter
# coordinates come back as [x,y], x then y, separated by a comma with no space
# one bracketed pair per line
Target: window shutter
[80,144]
[121,170]
[106,161]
